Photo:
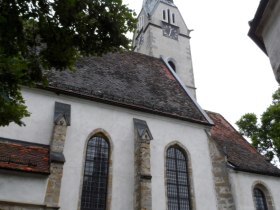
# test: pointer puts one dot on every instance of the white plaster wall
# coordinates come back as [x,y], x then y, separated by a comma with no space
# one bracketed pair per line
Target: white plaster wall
[39,126]
[179,50]
[243,183]
[156,45]
[19,187]
[271,39]
[194,140]
[86,116]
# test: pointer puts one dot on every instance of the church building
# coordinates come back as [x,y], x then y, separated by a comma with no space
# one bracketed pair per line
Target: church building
[125,132]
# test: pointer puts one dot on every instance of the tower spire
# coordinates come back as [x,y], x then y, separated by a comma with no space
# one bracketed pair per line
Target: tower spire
[148,5]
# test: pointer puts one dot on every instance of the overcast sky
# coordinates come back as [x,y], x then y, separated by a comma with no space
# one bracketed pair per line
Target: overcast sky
[232,75]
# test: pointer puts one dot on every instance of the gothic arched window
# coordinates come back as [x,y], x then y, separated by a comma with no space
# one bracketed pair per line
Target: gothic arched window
[177,180]
[94,191]
[259,198]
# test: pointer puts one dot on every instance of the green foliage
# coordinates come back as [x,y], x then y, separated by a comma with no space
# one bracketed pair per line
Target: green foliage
[265,135]
[37,35]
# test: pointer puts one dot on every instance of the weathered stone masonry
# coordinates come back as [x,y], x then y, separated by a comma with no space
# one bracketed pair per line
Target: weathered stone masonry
[143,178]
[61,121]
[221,178]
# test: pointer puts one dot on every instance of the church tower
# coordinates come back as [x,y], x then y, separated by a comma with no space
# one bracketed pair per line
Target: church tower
[162,32]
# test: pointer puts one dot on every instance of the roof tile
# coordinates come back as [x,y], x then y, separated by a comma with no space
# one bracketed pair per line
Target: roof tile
[24,156]
[239,152]
[131,80]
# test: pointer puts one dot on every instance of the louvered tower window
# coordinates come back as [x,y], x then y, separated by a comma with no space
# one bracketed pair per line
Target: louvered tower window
[178,196]
[259,198]
[94,192]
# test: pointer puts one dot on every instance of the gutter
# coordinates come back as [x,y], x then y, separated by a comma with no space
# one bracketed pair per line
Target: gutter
[121,103]
[237,169]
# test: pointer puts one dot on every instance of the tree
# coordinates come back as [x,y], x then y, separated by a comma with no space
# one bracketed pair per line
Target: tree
[265,135]
[38,35]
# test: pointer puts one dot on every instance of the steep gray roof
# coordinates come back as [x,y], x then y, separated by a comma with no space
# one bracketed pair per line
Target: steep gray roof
[131,80]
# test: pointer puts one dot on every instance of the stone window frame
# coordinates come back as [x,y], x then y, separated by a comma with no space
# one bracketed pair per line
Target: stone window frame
[190,172]
[267,193]
[98,131]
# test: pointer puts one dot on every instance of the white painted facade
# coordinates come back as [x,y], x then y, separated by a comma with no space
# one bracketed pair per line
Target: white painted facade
[87,116]
[242,186]
[20,187]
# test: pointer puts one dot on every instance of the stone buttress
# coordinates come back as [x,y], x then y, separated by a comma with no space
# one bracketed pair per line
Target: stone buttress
[61,122]
[143,178]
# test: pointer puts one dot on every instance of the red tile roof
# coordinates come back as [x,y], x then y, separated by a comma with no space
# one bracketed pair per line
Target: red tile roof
[24,156]
[240,154]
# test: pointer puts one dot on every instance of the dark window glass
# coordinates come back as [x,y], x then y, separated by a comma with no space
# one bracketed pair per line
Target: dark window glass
[173,18]
[94,192]
[177,180]
[260,200]
[172,65]
[168,15]
[163,15]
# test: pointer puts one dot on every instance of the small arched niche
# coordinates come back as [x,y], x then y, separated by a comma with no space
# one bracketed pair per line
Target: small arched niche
[172,65]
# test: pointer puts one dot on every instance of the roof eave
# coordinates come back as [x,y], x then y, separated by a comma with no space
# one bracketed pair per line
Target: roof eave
[236,168]
[122,104]
[26,171]
[257,40]
[255,23]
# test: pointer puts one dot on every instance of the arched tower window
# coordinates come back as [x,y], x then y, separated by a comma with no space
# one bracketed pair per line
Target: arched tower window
[178,193]
[168,15]
[173,18]
[172,65]
[259,199]
[96,170]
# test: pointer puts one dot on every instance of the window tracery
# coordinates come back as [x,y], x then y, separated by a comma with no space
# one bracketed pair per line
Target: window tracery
[178,193]
[96,171]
